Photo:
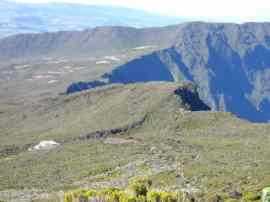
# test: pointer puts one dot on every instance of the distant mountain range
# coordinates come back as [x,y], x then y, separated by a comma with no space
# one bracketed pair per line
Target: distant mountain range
[230,63]
[16,18]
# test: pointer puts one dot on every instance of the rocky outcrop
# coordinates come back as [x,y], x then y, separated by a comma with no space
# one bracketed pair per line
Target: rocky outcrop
[190,98]
[114,131]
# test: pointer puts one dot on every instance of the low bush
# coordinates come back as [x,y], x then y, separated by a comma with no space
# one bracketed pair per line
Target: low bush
[138,190]
[162,196]
[140,186]
[251,196]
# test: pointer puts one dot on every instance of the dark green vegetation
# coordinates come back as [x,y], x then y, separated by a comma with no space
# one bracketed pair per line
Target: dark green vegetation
[140,190]
[109,135]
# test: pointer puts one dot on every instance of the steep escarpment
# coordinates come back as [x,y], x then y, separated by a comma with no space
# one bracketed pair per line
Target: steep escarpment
[229,63]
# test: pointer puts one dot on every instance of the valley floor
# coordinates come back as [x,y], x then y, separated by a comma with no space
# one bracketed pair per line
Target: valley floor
[108,136]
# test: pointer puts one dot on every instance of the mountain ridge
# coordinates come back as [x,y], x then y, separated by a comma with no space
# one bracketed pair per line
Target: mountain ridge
[223,70]
[229,62]
[167,36]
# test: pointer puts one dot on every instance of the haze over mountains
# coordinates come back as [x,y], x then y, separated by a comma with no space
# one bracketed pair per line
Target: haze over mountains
[98,108]
[18,18]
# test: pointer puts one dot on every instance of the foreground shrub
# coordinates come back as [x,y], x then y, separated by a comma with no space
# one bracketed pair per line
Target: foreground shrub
[69,197]
[140,186]
[161,196]
[251,196]
[139,190]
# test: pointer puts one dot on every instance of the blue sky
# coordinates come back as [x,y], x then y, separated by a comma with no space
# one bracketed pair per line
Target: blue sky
[219,10]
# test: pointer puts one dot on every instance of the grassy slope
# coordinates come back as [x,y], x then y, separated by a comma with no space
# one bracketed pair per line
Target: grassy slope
[19,84]
[220,152]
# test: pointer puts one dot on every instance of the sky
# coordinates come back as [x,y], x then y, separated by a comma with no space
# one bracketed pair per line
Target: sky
[215,10]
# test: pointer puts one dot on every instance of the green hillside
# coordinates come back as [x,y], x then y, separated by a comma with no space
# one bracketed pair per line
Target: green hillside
[109,135]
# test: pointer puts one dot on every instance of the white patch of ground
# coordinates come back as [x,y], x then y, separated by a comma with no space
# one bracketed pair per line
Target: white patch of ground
[54,72]
[143,47]
[116,140]
[79,68]
[52,81]
[42,77]
[67,67]
[21,66]
[101,62]
[45,145]
[113,58]
[57,62]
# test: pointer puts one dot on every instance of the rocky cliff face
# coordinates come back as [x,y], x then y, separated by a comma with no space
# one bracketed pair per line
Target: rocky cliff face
[230,64]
